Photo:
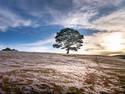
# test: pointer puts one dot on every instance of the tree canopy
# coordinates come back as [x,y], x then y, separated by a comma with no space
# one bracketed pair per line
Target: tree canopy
[68,39]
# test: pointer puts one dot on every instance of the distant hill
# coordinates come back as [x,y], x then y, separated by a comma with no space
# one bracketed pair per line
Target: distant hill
[120,56]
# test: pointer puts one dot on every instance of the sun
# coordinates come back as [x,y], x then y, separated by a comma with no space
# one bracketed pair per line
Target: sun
[113,42]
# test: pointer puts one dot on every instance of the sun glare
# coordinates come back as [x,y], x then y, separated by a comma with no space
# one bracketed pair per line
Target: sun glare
[113,42]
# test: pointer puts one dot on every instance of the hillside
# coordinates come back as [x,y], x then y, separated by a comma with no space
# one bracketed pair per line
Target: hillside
[120,56]
[44,73]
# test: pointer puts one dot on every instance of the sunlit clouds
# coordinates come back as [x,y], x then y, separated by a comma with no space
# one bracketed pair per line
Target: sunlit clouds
[112,22]
[104,43]
[113,42]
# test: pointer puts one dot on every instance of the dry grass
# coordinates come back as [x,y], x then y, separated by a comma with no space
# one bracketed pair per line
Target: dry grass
[35,73]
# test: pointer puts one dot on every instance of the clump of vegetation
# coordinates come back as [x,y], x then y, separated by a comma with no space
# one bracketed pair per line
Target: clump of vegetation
[8,49]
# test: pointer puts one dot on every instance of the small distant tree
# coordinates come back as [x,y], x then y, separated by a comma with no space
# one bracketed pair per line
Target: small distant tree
[8,49]
[68,39]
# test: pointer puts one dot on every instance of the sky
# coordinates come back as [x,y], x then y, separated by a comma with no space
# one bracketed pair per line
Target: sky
[31,25]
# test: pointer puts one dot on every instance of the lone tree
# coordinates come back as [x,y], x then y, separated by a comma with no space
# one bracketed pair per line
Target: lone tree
[68,39]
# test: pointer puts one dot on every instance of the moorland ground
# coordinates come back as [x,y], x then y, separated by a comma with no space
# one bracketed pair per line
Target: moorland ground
[45,73]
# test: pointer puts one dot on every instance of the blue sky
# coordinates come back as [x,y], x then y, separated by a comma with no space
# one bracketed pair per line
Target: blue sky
[30,25]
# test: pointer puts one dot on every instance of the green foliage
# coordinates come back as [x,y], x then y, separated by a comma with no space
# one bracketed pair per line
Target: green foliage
[68,39]
[8,49]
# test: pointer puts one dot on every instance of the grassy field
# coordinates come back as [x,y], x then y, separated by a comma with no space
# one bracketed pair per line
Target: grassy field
[44,73]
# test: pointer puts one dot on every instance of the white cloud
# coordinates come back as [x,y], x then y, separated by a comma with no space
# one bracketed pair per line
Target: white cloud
[3,28]
[10,19]
[113,21]
[74,19]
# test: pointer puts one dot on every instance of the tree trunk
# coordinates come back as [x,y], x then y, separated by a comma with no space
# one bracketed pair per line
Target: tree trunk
[68,51]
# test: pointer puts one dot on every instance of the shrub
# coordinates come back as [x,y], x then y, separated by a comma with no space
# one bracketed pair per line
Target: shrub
[8,49]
